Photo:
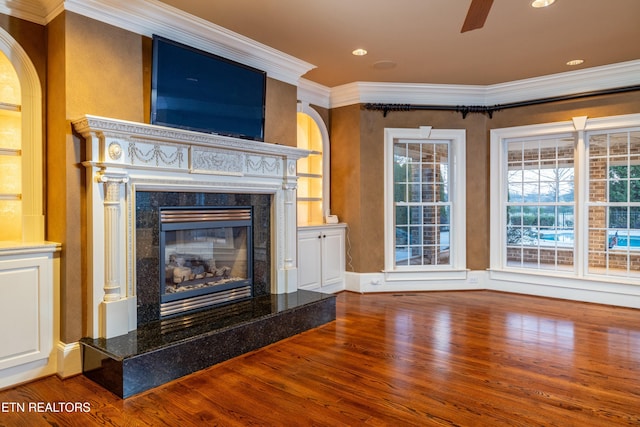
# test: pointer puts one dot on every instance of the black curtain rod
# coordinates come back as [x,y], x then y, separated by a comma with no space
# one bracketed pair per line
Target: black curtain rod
[489,110]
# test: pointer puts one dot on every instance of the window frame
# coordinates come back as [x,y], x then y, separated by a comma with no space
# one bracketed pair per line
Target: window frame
[456,268]
[581,127]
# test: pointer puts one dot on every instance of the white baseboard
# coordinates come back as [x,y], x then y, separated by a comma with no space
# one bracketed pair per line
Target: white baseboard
[569,288]
[377,282]
[65,360]
[576,289]
[358,282]
[69,359]
[15,375]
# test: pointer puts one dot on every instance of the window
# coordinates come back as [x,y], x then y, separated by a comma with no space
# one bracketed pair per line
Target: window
[421,201]
[313,172]
[566,198]
[540,202]
[424,200]
[614,202]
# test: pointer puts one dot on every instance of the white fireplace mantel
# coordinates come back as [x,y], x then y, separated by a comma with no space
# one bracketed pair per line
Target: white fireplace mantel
[124,157]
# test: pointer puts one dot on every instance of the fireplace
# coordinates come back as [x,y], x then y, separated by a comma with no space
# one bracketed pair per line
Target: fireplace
[205,256]
[134,169]
[141,181]
[196,250]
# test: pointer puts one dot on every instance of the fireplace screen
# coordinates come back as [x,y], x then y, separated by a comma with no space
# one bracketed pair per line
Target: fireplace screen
[207,257]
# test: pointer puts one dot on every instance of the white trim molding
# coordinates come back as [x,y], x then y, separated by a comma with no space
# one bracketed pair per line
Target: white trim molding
[466,280]
[314,94]
[569,288]
[619,75]
[574,289]
[36,11]
[69,359]
[407,93]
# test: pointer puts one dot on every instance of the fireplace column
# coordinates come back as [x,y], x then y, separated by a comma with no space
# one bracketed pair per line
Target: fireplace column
[289,186]
[112,234]
[114,307]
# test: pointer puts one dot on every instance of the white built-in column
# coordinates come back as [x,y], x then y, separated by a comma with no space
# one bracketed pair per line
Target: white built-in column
[112,234]
[289,187]
[114,306]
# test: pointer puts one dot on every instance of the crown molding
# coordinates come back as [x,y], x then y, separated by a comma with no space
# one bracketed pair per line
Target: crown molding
[36,11]
[582,81]
[406,93]
[618,75]
[149,17]
[314,93]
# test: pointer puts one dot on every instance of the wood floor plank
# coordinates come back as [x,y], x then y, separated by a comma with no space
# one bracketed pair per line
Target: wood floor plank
[476,358]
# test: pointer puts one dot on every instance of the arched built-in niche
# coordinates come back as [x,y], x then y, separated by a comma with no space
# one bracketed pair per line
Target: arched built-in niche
[314,170]
[21,198]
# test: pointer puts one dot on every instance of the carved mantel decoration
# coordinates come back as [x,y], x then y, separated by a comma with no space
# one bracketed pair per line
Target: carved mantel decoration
[123,157]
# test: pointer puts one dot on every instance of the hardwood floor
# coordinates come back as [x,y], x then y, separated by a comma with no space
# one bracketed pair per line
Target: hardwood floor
[475,358]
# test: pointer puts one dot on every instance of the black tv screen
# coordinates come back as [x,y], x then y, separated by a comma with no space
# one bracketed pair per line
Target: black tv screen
[195,90]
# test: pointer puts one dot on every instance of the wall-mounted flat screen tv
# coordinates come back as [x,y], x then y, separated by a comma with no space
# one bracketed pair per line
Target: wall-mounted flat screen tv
[195,90]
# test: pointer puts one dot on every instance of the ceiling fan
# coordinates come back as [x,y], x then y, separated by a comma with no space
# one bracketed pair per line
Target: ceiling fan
[477,14]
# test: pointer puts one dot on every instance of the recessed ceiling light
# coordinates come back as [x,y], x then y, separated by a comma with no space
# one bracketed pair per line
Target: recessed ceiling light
[359,52]
[542,3]
[575,62]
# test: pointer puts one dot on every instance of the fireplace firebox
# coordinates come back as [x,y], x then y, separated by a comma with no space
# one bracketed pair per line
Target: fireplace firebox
[206,255]
[196,250]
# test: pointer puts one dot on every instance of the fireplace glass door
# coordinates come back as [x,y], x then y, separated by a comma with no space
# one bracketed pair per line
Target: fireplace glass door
[207,256]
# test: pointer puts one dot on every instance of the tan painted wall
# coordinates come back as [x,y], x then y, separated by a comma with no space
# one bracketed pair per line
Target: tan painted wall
[345,176]
[280,113]
[104,70]
[357,172]
[59,149]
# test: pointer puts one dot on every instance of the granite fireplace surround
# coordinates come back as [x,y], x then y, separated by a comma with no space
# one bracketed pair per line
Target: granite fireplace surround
[130,348]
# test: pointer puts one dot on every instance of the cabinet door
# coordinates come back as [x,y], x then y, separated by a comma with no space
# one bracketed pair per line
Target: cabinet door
[309,260]
[332,257]
[26,311]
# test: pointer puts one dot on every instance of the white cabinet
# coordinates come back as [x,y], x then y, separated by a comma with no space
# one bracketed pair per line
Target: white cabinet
[27,318]
[321,257]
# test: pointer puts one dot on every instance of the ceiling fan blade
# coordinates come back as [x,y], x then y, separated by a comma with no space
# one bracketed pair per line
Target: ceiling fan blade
[477,14]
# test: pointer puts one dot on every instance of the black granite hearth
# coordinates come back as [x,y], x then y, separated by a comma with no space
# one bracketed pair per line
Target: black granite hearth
[161,351]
